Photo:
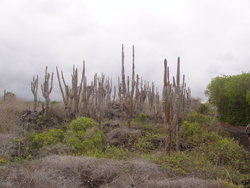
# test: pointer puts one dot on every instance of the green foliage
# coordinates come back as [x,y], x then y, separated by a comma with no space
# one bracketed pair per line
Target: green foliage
[142,117]
[46,138]
[231,96]
[151,139]
[144,144]
[225,151]
[110,152]
[217,152]
[195,163]
[220,150]
[84,136]
[3,161]
[195,134]
[183,162]
[203,109]
[82,124]
[248,97]
[199,118]
[54,102]
[118,153]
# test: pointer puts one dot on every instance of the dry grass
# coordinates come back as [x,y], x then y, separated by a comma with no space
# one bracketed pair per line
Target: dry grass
[67,171]
[9,109]
[57,110]
[6,144]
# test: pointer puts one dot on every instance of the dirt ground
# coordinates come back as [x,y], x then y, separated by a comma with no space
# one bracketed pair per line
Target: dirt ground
[238,133]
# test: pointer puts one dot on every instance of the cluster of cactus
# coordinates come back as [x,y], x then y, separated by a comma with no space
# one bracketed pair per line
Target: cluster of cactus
[87,100]
[132,96]
[176,98]
[71,95]
[46,88]
[136,96]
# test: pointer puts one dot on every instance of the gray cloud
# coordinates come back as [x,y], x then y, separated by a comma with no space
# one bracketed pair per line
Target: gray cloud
[211,37]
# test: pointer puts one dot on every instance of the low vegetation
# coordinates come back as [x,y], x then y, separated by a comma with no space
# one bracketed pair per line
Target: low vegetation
[206,153]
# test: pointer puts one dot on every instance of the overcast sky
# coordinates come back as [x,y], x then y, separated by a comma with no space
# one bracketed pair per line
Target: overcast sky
[212,38]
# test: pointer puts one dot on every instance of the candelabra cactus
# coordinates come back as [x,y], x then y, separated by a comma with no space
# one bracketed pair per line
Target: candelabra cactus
[47,88]
[71,95]
[173,106]
[34,88]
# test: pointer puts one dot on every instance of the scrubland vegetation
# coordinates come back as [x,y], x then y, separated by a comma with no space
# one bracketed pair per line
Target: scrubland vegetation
[231,95]
[83,153]
[134,139]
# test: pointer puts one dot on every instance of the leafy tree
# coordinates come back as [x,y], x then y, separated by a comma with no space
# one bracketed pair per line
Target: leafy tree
[231,95]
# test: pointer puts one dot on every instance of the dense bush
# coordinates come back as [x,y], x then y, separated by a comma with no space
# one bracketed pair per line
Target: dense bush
[220,150]
[3,161]
[144,144]
[213,152]
[199,118]
[82,124]
[195,134]
[112,152]
[203,109]
[149,142]
[142,117]
[45,138]
[84,136]
[197,164]
[225,151]
[231,96]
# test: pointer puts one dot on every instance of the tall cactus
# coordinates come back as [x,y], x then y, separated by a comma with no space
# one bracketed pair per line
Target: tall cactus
[47,88]
[34,88]
[71,95]
[174,96]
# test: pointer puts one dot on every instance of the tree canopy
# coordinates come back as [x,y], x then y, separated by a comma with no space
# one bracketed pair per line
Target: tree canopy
[231,95]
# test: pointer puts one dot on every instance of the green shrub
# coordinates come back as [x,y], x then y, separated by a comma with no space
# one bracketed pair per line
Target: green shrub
[144,144]
[225,151]
[220,150]
[3,161]
[230,94]
[195,163]
[82,124]
[203,109]
[46,138]
[118,153]
[84,136]
[183,162]
[150,141]
[142,117]
[195,134]
[199,118]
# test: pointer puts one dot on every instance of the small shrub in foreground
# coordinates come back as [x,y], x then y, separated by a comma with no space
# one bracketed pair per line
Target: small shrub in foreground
[149,142]
[142,117]
[199,118]
[3,161]
[84,136]
[194,134]
[46,138]
[225,151]
[82,124]
[193,163]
